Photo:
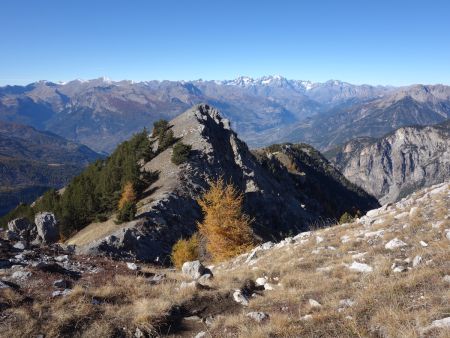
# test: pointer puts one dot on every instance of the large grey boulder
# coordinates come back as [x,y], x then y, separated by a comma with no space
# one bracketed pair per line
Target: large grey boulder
[47,227]
[193,269]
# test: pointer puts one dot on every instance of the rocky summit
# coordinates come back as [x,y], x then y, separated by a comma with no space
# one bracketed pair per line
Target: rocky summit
[399,163]
[286,188]
[385,274]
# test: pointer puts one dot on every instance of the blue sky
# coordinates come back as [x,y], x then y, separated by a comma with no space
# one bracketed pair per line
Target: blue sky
[377,42]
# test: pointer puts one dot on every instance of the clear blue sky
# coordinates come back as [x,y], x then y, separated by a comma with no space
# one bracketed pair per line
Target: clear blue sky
[378,42]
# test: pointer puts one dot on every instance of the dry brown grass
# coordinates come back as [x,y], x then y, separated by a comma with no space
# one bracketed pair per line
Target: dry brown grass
[386,303]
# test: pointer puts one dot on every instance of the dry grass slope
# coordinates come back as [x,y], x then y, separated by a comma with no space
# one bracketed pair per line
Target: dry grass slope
[365,287]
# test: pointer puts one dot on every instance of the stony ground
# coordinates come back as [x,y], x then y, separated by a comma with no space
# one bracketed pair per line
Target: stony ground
[385,275]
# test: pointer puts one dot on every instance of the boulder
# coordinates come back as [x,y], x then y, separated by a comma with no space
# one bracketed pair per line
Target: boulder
[47,227]
[19,226]
[193,269]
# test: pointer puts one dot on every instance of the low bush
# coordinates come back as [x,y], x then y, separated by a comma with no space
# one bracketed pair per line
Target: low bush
[185,250]
[181,153]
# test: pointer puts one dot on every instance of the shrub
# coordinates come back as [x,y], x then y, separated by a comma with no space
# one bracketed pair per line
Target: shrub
[127,212]
[345,218]
[160,127]
[185,250]
[180,153]
[227,229]
[166,140]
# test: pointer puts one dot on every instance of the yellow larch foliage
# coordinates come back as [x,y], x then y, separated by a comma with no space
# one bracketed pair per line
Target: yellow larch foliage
[128,195]
[185,250]
[226,228]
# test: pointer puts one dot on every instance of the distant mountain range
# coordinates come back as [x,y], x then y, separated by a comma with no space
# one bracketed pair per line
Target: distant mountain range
[101,113]
[397,164]
[32,161]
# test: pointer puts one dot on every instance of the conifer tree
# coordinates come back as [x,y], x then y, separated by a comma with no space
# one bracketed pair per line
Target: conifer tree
[226,228]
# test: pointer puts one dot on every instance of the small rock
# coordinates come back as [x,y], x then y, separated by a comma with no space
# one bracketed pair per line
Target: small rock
[205,278]
[62,284]
[306,317]
[21,274]
[319,239]
[345,239]
[201,334]
[446,279]
[302,235]
[378,233]
[63,293]
[346,302]
[416,261]
[395,244]
[62,258]
[261,281]
[3,285]
[399,268]
[193,269]
[267,245]
[19,246]
[268,286]
[360,267]
[12,236]
[239,297]
[258,316]
[314,303]
[157,278]
[138,333]
[132,266]
[424,244]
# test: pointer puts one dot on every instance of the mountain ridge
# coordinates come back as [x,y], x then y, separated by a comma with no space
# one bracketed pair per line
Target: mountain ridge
[392,166]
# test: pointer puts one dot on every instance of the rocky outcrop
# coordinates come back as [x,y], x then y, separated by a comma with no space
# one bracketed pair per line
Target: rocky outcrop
[399,163]
[43,231]
[279,200]
[47,227]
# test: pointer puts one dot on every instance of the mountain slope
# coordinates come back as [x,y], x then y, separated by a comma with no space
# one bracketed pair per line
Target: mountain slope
[31,161]
[385,274]
[415,105]
[101,113]
[395,165]
[276,198]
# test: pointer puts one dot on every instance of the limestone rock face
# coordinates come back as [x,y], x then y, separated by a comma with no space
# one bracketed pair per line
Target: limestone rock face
[399,163]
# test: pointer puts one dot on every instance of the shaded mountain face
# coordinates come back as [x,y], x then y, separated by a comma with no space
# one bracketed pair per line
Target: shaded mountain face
[32,161]
[284,190]
[102,113]
[403,161]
